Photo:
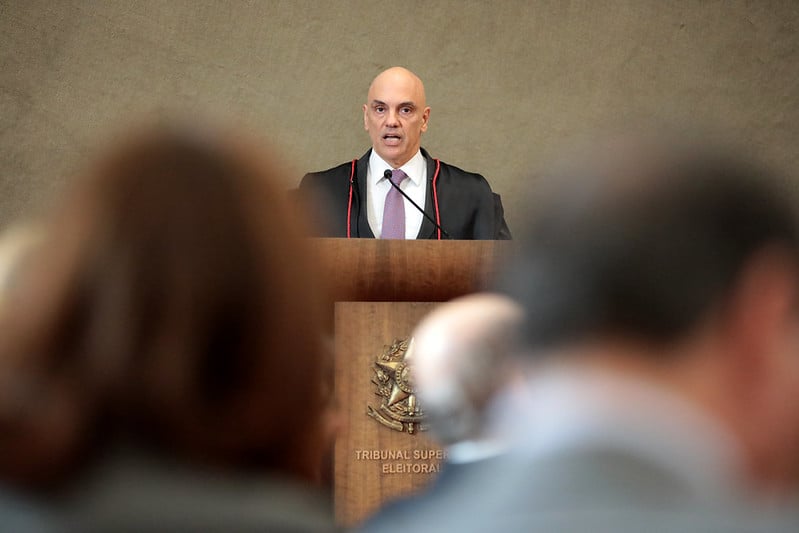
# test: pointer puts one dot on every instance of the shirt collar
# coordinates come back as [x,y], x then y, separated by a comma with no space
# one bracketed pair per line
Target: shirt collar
[471,451]
[414,168]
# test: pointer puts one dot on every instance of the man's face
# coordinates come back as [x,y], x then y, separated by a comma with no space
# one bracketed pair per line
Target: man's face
[395,116]
[783,391]
[767,384]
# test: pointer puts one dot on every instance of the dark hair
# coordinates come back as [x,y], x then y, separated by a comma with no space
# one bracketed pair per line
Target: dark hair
[172,305]
[643,242]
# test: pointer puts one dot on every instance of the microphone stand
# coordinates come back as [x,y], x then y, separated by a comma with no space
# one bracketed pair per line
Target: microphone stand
[387,175]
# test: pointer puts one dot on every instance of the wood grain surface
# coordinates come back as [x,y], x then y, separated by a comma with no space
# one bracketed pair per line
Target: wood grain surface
[377,270]
[363,330]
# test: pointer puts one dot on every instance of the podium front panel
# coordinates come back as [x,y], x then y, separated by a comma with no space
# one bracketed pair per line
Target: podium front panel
[381,453]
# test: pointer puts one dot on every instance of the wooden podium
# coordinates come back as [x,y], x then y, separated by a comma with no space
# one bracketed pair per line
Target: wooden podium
[381,290]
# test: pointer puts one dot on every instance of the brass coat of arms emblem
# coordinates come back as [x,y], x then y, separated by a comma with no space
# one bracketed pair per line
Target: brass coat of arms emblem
[399,408]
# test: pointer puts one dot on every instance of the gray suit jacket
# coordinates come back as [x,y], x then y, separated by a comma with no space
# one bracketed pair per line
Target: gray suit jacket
[592,491]
[134,493]
[403,514]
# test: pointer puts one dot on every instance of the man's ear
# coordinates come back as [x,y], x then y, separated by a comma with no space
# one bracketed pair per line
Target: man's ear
[365,121]
[425,118]
[761,309]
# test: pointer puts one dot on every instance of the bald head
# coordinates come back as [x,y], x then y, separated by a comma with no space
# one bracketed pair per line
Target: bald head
[460,361]
[395,115]
[398,78]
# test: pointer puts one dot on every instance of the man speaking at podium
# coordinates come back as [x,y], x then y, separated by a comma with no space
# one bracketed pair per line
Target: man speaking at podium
[396,190]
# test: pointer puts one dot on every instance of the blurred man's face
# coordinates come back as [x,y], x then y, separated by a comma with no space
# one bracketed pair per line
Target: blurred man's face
[783,395]
[395,115]
[767,387]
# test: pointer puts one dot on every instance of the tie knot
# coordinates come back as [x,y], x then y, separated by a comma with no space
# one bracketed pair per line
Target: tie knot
[398,176]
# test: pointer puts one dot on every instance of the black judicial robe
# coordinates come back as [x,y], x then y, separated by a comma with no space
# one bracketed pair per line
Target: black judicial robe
[467,208]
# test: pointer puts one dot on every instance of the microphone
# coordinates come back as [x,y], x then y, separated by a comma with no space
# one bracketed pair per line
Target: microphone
[387,175]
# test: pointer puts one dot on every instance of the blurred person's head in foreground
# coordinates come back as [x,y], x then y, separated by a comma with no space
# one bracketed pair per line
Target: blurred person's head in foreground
[170,309]
[462,359]
[677,267]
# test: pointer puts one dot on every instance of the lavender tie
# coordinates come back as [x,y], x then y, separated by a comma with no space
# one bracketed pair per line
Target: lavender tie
[394,210]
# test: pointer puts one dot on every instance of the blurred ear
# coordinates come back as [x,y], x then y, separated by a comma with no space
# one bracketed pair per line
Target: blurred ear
[761,312]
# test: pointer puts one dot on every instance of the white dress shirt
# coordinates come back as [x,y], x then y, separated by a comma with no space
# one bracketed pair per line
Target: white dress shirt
[377,187]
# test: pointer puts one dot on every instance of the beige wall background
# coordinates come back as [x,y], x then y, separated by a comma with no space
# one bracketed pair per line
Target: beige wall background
[509,82]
